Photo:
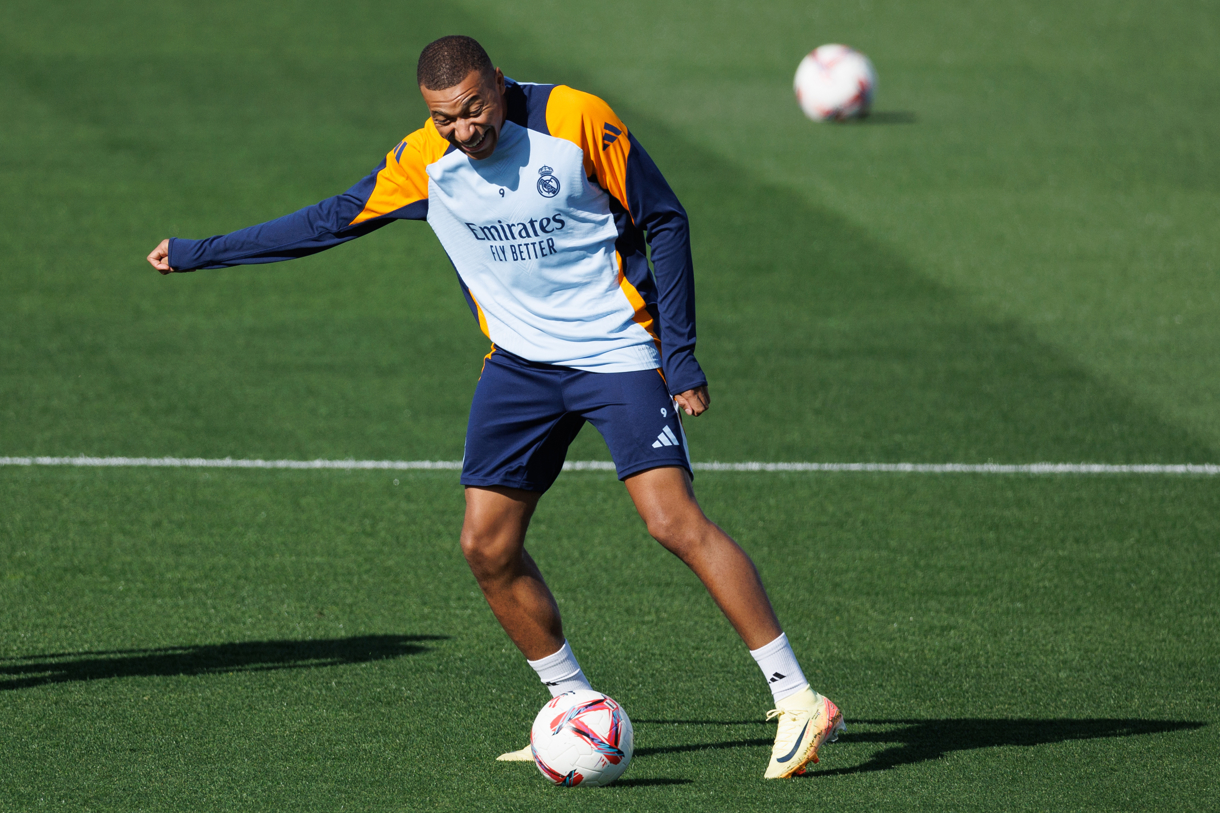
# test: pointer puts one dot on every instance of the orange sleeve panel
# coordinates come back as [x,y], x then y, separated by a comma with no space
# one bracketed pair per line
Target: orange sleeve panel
[590,124]
[404,180]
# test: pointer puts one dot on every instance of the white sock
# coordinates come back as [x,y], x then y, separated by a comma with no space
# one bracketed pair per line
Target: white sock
[560,672]
[780,668]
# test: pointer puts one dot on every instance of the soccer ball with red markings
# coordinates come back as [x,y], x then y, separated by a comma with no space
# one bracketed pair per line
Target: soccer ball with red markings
[582,738]
[834,82]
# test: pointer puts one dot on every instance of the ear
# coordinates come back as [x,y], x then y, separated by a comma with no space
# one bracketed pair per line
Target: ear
[500,87]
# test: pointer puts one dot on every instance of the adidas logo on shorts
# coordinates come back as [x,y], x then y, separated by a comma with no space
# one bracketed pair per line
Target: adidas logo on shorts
[666,438]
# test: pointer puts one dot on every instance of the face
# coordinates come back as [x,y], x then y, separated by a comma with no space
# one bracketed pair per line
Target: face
[469,115]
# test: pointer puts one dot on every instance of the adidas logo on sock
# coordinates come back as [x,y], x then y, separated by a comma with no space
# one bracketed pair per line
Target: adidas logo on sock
[775,677]
[666,438]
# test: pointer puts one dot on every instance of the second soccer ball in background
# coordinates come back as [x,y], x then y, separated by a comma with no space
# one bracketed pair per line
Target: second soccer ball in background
[834,83]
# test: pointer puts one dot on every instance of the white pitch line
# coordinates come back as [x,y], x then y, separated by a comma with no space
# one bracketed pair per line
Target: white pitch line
[1206,469]
[227,463]
[975,468]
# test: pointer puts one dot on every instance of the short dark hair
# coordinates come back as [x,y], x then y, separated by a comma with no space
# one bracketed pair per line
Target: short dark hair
[449,60]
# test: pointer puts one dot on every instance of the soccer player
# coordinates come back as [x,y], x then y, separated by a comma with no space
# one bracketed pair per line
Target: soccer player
[546,205]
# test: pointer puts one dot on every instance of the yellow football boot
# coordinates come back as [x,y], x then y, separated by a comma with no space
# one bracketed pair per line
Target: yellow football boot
[806,721]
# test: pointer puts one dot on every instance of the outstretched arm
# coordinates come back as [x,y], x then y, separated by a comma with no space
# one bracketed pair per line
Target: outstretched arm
[324,225]
[396,190]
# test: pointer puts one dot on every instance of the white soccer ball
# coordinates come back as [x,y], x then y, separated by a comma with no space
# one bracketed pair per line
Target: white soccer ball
[834,82]
[582,738]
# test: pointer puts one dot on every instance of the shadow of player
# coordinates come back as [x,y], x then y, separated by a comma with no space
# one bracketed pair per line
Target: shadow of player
[246,656]
[925,740]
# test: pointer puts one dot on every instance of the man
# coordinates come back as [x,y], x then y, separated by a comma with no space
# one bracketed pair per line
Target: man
[544,202]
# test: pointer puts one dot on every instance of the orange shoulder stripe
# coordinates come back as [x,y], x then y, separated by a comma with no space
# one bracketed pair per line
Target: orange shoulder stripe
[404,180]
[590,124]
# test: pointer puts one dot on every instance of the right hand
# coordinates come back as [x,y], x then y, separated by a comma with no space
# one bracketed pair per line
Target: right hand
[159,258]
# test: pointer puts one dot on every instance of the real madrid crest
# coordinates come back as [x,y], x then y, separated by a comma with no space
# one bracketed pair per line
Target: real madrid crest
[548,184]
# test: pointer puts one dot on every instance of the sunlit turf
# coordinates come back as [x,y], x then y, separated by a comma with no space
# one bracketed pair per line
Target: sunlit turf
[1015,261]
[293,641]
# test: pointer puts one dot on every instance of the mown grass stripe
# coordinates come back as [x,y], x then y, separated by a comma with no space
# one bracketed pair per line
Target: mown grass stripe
[1207,469]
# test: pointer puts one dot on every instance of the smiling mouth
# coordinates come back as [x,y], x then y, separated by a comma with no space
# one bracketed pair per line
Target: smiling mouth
[475,145]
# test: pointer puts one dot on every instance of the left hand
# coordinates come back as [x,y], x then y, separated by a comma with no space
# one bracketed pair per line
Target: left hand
[694,402]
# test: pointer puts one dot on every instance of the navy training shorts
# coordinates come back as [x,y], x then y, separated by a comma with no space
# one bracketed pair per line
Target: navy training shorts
[525,414]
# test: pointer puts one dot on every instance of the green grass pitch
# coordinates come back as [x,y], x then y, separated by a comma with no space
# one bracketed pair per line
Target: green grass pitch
[1015,260]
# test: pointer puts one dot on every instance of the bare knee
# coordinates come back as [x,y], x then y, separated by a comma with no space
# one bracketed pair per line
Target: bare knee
[682,532]
[493,532]
[489,554]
